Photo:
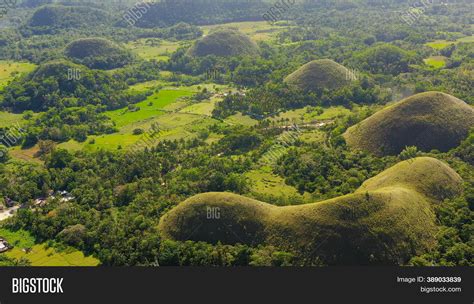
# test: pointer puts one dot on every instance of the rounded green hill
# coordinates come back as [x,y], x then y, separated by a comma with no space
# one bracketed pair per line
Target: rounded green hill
[53,68]
[386,221]
[431,120]
[224,42]
[62,17]
[97,53]
[320,74]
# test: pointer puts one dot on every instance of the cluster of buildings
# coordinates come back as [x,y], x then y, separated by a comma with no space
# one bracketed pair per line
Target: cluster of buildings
[12,207]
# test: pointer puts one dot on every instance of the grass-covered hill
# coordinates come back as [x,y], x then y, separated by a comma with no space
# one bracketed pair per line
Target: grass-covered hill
[384,59]
[386,221]
[65,17]
[52,85]
[431,120]
[320,74]
[98,53]
[224,42]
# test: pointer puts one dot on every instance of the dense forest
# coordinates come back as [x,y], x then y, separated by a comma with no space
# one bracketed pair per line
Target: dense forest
[131,123]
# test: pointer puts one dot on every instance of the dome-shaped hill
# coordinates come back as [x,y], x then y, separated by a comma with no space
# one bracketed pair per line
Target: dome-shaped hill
[387,220]
[431,120]
[59,17]
[320,74]
[224,42]
[72,85]
[54,68]
[97,53]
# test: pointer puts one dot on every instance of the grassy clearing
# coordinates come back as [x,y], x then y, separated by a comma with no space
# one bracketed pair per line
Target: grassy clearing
[8,119]
[20,238]
[203,108]
[40,254]
[149,108]
[27,155]
[178,119]
[257,30]
[9,69]
[263,181]
[468,39]
[239,119]
[436,62]
[153,48]
[147,86]
[441,44]
[310,114]
[313,136]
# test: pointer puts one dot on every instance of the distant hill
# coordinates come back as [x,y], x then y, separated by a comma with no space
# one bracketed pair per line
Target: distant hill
[62,83]
[320,74]
[35,3]
[201,12]
[224,42]
[431,120]
[98,53]
[384,59]
[65,17]
[386,221]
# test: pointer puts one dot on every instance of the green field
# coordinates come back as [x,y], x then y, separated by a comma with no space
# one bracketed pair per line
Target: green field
[149,108]
[152,48]
[468,39]
[257,30]
[441,44]
[436,62]
[239,119]
[176,117]
[310,114]
[263,181]
[10,69]
[8,119]
[40,254]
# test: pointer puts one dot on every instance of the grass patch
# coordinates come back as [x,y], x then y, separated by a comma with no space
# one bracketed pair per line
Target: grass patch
[20,238]
[263,181]
[311,114]
[436,62]
[257,30]
[9,69]
[441,44]
[239,119]
[153,48]
[41,254]
[8,119]
[149,108]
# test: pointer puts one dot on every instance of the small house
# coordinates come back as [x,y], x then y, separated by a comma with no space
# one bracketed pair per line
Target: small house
[4,246]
